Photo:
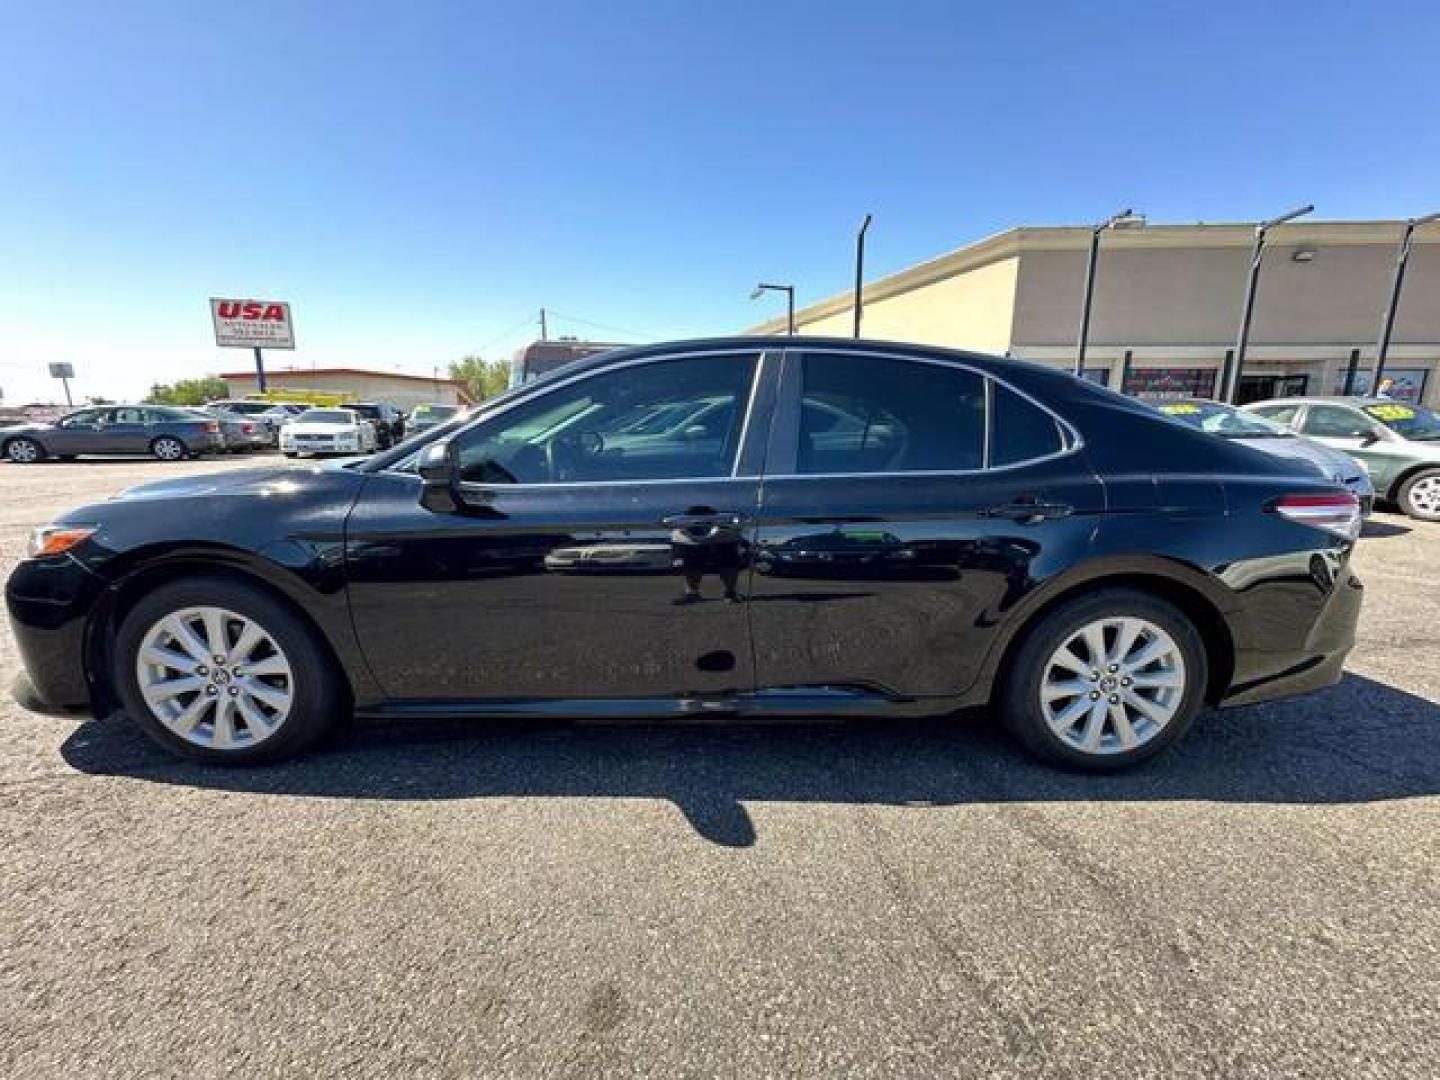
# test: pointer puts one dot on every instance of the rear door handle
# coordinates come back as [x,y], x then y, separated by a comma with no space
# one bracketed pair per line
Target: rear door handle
[718,520]
[1025,512]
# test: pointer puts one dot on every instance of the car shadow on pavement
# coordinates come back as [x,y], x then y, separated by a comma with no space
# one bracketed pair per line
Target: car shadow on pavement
[1359,741]
[1377,530]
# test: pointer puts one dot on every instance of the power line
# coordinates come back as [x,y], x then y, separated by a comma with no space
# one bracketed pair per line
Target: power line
[604,326]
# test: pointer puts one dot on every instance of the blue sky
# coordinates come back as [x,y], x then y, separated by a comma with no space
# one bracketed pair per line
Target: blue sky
[418,179]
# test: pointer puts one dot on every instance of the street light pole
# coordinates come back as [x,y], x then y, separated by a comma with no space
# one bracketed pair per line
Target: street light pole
[789,291]
[1247,308]
[860,269]
[1387,323]
[1085,301]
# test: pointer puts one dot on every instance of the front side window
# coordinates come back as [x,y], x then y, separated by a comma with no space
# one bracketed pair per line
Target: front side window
[84,418]
[1335,422]
[599,429]
[874,414]
[1280,414]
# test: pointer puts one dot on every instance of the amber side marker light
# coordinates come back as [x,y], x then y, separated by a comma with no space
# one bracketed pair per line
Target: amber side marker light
[57,539]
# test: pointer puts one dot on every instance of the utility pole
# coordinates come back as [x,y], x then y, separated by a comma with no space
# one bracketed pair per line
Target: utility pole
[544,330]
[1124,216]
[1387,323]
[1247,308]
[260,368]
[859,270]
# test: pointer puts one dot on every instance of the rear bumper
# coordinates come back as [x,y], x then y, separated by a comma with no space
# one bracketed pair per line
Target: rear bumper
[1264,674]
[49,601]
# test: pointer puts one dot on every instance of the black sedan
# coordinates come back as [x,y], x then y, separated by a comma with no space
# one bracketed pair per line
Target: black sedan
[160,431]
[873,529]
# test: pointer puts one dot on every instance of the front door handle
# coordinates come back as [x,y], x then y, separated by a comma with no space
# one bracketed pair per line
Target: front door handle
[716,520]
[1027,512]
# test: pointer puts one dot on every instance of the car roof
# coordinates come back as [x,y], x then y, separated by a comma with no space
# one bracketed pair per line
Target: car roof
[1327,399]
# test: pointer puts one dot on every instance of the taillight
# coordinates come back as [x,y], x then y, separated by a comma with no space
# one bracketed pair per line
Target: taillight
[1337,513]
[248,429]
[212,429]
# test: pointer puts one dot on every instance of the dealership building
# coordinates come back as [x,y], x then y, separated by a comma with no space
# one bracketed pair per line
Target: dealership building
[352,384]
[1166,306]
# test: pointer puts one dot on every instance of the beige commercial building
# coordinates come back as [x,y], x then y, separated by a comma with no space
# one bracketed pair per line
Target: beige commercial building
[1167,306]
[353,384]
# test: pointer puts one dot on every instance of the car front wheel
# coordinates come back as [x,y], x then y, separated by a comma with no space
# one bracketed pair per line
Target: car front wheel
[1420,495]
[1106,680]
[24,451]
[219,671]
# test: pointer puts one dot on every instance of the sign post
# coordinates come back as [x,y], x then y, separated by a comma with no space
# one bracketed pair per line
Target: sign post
[64,372]
[253,324]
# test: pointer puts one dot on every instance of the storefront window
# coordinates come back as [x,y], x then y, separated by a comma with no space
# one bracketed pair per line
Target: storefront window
[1099,375]
[1169,383]
[1409,382]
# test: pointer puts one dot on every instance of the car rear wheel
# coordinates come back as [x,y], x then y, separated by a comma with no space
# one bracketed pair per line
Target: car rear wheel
[1104,681]
[1420,495]
[24,451]
[167,448]
[218,671]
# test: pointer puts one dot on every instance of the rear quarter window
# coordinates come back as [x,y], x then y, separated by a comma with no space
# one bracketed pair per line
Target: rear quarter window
[1020,430]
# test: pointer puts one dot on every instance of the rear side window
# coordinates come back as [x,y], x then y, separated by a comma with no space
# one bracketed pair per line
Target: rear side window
[873,414]
[1021,430]
[1336,422]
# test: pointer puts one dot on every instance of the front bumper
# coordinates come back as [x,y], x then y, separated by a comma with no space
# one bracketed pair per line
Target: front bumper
[49,601]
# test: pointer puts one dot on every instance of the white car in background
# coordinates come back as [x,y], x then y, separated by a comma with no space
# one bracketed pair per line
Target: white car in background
[328,431]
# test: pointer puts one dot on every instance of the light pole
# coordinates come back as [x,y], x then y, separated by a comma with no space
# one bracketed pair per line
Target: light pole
[1124,217]
[860,269]
[1387,323]
[789,291]
[1247,308]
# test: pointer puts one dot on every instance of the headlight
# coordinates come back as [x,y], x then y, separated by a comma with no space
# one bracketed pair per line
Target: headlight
[57,539]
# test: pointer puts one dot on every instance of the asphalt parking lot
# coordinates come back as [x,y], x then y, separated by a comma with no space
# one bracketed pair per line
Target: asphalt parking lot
[454,899]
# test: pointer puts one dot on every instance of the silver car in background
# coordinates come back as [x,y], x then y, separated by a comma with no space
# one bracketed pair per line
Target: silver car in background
[1231,423]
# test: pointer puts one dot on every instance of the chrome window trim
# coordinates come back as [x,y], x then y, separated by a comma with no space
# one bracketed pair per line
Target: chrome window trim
[757,353]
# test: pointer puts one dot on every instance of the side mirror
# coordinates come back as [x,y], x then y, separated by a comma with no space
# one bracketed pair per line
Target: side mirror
[437,477]
[1371,437]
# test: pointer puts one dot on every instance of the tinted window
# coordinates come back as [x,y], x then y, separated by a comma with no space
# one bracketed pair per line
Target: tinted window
[1021,431]
[594,429]
[1336,422]
[870,414]
[1281,414]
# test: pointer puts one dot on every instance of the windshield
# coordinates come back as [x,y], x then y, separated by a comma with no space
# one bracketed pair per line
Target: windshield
[1223,420]
[328,416]
[433,412]
[1411,421]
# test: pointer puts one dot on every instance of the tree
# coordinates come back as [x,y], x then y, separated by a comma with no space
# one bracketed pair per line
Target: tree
[188,391]
[481,378]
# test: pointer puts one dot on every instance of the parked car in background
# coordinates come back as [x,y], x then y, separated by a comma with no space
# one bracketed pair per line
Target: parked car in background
[328,431]
[992,531]
[161,431]
[1398,442]
[425,417]
[273,414]
[388,420]
[1254,430]
[242,434]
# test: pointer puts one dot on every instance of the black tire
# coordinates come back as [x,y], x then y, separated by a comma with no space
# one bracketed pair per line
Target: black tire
[1425,479]
[320,697]
[1019,698]
[24,451]
[164,448]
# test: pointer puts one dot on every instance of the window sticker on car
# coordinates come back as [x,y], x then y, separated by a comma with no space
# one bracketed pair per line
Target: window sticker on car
[1180,410]
[1391,412]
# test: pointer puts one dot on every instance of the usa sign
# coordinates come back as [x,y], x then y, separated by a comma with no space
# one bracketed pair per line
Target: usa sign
[252,323]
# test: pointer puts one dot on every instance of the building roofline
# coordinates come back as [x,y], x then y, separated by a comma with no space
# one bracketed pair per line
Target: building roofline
[272,371]
[1022,238]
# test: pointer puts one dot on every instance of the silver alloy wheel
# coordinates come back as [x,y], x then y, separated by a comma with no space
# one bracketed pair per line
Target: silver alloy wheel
[1113,685]
[24,452]
[215,678]
[168,449]
[1425,495]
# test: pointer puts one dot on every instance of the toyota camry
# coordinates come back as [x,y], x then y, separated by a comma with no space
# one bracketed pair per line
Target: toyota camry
[818,527]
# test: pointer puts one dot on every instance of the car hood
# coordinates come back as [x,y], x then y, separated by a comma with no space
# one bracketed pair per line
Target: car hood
[262,480]
[320,429]
[1335,464]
